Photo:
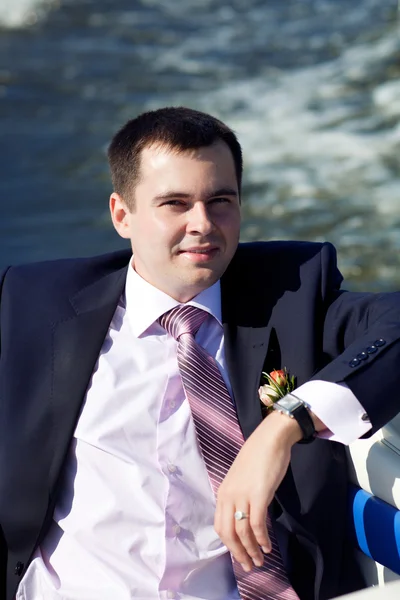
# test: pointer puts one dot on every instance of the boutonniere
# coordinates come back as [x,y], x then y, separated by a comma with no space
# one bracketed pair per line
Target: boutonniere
[278,384]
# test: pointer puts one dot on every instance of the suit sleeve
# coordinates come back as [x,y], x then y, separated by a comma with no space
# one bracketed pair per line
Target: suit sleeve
[361,334]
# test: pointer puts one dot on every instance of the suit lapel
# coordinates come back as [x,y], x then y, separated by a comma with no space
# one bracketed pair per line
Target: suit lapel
[245,350]
[250,340]
[77,342]
[246,312]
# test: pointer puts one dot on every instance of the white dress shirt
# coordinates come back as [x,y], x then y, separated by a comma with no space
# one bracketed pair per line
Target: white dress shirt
[135,513]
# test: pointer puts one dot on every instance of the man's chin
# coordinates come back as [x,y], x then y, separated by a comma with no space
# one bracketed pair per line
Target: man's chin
[197,283]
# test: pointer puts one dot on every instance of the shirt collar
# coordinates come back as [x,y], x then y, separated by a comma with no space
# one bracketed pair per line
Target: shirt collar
[146,303]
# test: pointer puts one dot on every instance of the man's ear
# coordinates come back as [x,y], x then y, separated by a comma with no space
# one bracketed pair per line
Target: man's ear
[120,215]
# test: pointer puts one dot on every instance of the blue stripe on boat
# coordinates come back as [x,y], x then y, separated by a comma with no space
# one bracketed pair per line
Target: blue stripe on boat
[375,528]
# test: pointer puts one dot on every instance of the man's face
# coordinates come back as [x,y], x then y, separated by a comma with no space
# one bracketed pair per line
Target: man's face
[185,224]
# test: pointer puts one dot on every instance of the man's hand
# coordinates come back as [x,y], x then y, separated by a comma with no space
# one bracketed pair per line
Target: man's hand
[250,485]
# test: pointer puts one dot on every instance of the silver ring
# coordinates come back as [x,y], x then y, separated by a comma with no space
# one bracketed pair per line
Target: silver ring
[239,515]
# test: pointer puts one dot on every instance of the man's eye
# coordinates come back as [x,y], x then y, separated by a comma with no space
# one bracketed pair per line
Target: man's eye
[173,203]
[220,200]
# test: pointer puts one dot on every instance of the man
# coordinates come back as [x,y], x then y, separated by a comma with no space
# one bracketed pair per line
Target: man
[108,489]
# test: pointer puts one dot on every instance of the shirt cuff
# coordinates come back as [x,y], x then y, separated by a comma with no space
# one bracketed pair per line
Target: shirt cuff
[337,407]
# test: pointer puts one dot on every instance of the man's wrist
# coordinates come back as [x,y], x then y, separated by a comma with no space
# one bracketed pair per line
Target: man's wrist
[287,429]
[294,408]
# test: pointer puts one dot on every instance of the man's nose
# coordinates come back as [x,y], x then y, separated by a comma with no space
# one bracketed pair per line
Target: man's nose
[200,220]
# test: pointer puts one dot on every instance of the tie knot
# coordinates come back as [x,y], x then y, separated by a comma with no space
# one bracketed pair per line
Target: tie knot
[183,319]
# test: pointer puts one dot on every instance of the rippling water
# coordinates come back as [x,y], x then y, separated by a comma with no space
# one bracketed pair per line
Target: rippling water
[312,87]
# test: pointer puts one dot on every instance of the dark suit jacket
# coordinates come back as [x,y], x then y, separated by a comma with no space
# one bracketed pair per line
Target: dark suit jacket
[281,307]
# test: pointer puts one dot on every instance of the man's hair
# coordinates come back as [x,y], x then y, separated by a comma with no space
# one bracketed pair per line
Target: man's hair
[177,128]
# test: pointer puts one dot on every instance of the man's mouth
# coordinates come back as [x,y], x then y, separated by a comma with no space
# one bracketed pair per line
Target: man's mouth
[201,254]
[199,250]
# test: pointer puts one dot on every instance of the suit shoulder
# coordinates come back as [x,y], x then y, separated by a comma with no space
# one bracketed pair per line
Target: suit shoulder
[279,252]
[262,270]
[61,272]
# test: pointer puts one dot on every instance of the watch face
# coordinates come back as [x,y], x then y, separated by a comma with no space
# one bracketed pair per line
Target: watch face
[289,403]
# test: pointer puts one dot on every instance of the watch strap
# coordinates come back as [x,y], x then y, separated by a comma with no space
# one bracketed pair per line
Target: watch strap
[299,411]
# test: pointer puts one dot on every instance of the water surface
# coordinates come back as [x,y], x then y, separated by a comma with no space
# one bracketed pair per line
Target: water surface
[311,87]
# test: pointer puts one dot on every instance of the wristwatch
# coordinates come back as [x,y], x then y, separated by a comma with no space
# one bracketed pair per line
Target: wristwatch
[295,408]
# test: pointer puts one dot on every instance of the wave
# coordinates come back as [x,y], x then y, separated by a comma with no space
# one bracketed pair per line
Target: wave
[15,14]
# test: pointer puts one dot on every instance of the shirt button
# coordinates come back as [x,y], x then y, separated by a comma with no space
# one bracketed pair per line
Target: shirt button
[171,594]
[172,468]
[172,404]
[176,529]
[365,418]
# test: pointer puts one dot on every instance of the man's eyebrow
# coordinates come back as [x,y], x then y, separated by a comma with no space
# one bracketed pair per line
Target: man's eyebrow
[213,194]
[224,192]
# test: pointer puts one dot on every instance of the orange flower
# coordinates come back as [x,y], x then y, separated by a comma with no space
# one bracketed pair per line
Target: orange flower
[278,384]
[279,376]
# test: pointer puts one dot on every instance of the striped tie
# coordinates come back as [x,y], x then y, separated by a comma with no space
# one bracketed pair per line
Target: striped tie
[220,439]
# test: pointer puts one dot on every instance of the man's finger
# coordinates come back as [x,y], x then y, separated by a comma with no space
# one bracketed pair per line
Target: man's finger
[247,538]
[225,527]
[258,525]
